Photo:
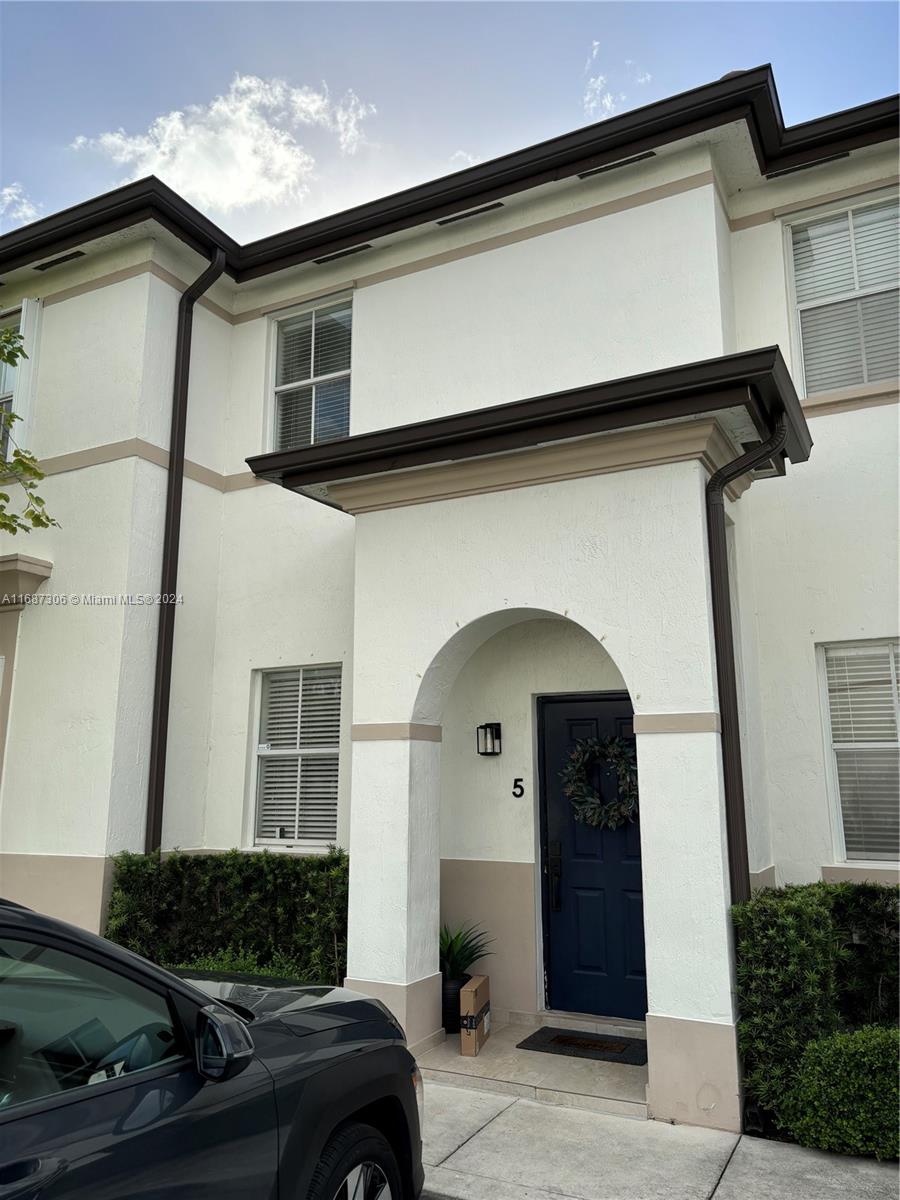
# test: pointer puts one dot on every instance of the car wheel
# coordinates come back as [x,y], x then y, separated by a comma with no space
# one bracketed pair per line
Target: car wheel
[357,1164]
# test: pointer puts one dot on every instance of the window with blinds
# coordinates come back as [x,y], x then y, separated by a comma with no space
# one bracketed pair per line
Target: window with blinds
[298,755]
[312,376]
[863,697]
[846,285]
[7,385]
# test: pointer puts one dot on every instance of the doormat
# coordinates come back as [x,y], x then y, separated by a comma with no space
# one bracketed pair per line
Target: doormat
[575,1044]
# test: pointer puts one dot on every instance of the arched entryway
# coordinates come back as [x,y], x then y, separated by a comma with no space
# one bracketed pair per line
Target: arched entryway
[561,899]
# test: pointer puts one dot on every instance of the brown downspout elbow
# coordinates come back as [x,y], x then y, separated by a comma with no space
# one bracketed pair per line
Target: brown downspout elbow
[162,684]
[723,633]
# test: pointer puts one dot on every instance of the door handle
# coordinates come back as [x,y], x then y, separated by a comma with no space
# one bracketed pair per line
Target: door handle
[554,872]
[26,1179]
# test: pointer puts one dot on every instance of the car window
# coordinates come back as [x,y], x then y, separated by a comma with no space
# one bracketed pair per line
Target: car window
[67,1023]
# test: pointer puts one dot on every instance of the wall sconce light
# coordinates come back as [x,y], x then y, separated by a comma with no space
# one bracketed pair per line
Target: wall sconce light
[487,738]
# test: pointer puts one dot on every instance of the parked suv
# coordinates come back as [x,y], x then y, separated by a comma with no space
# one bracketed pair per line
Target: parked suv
[121,1080]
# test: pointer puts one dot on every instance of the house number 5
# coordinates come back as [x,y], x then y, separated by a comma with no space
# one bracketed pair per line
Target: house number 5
[518,789]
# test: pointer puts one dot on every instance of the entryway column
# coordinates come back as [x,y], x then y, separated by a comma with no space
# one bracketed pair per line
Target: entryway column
[395,872]
[691,1037]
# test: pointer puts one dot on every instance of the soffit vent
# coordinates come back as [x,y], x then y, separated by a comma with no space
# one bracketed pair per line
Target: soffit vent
[57,262]
[819,162]
[473,212]
[327,258]
[622,162]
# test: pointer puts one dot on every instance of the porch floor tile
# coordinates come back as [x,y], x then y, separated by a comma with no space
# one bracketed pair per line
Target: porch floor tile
[573,1082]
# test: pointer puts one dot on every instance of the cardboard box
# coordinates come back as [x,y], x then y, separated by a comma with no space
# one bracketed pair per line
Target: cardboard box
[474,1015]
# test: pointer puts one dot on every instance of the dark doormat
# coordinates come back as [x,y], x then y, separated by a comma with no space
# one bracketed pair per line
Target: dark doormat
[575,1044]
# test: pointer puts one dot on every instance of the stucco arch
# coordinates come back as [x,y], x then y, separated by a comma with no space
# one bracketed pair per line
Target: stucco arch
[447,661]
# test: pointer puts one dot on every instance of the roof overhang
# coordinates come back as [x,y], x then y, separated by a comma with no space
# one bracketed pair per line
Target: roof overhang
[743,95]
[745,392]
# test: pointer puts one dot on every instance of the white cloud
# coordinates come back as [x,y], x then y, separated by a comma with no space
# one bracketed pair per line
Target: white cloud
[642,77]
[16,206]
[599,101]
[462,158]
[241,150]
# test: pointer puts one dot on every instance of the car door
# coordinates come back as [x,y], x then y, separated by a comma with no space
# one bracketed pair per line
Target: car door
[99,1094]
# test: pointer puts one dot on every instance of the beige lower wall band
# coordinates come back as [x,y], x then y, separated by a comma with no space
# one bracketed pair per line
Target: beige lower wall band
[693,1073]
[417,1006]
[860,873]
[766,878]
[696,722]
[395,732]
[70,887]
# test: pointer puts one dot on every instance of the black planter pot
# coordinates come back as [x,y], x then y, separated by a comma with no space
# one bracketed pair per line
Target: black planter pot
[450,1002]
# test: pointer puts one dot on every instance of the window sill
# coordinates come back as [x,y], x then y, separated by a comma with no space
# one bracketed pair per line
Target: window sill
[862,872]
[300,848]
[864,395]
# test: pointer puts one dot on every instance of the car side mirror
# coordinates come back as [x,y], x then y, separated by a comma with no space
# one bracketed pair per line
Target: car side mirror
[222,1044]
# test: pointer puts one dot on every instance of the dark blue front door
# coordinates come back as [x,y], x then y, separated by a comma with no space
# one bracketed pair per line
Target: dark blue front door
[593,905]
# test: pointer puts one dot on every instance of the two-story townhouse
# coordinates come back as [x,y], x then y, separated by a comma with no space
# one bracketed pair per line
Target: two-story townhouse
[595,440]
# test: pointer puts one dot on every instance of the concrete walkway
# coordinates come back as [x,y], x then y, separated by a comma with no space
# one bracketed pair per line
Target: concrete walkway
[481,1145]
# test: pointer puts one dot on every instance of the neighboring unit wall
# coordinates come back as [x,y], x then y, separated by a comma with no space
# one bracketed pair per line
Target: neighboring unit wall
[824,567]
[488,836]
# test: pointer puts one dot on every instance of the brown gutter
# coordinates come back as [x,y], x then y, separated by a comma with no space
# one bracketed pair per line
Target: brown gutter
[723,634]
[159,730]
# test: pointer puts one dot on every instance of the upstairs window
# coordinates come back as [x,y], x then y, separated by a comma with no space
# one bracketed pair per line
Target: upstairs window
[863,714]
[846,281]
[312,376]
[7,384]
[298,756]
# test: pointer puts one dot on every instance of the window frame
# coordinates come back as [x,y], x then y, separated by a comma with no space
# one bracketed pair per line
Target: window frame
[287,845]
[808,216]
[832,786]
[175,1065]
[272,388]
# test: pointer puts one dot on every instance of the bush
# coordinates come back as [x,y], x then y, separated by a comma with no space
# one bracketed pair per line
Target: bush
[812,960]
[786,955]
[845,1098]
[279,914]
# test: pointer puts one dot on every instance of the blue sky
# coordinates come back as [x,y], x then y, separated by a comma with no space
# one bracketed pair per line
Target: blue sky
[265,115]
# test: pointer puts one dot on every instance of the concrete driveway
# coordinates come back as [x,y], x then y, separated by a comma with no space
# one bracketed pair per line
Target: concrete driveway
[485,1146]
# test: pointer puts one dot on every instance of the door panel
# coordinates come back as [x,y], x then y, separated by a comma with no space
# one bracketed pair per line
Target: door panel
[593,904]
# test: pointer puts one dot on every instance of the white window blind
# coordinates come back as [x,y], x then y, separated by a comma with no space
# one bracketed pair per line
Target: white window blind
[7,384]
[864,711]
[298,755]
[312,377]
[846,284]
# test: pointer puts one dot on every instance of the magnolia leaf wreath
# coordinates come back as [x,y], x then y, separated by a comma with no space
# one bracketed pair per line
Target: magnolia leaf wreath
[587,805]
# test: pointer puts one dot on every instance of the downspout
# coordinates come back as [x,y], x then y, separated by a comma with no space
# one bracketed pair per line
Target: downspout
[723,633]
[159,730]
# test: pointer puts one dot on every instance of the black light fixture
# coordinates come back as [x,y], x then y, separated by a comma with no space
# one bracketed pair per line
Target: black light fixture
[487,738]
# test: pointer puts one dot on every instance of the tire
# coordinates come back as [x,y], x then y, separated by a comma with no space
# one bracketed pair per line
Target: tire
[358,1163]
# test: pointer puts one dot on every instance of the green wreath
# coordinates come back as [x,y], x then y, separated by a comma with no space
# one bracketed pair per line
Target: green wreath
[587,806]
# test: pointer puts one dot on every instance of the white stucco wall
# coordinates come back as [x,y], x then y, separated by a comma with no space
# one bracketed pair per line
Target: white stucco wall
[285,599]
[633,291]
[823,558]
[480,818]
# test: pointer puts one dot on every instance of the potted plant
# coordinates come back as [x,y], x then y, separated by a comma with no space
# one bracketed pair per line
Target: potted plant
[459,949]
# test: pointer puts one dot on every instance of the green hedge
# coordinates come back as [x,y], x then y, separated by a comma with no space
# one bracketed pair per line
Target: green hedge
[812,961]
[846,1096]
[262,913]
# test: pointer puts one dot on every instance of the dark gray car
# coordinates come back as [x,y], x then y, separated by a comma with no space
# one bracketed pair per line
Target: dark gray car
[119,1079]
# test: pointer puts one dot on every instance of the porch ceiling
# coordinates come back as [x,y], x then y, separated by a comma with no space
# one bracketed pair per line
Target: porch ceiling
[744,392]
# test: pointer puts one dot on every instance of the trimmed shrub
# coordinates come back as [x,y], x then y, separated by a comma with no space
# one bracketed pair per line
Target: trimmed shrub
[865,918]
[275,914]
[845,1097]
[812,960]
[786,958]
